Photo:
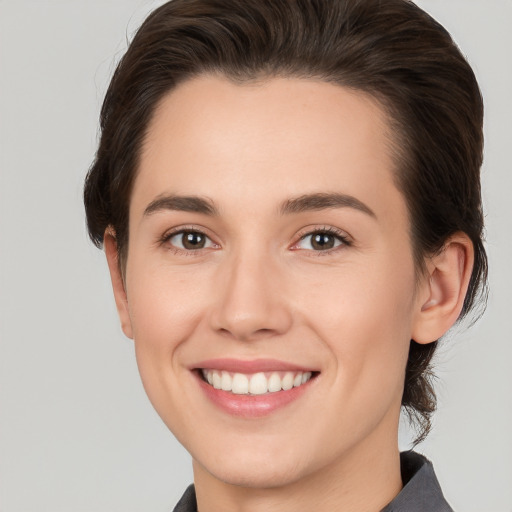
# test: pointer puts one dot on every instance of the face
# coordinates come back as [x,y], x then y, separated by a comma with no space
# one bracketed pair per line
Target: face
[269,254]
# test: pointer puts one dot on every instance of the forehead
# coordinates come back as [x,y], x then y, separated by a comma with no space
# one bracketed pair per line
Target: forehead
[257,143]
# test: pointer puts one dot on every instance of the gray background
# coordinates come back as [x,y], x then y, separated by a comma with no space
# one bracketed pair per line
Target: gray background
[76,430]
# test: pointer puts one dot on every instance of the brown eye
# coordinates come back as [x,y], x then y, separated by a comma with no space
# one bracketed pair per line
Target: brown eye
[190,240]
[193,240]
[321,241]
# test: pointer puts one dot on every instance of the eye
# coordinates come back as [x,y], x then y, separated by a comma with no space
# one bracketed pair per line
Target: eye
[321,240]
[190,240]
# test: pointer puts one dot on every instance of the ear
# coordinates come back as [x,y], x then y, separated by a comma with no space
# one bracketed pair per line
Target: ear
[110,246]
[443,290]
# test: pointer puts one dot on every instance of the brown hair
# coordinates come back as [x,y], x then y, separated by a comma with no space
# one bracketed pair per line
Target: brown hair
[390,49]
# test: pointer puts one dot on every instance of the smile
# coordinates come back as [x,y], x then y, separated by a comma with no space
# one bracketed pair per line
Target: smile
[255,384]
[253,389]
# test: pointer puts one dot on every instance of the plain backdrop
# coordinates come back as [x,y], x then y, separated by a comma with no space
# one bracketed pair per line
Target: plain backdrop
[77,433]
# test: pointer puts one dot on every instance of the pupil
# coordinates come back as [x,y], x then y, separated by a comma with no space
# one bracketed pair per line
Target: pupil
[322,241]
[193,240]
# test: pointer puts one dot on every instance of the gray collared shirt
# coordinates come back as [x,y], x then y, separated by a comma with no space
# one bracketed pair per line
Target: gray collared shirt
[421,491]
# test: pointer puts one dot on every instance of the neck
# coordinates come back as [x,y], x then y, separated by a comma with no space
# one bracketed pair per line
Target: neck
[364,480]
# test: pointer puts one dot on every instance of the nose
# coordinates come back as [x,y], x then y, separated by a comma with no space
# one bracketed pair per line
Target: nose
[250,299]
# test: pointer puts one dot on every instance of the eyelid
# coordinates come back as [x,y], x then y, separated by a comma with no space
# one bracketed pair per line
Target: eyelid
[343,236]
[170,233]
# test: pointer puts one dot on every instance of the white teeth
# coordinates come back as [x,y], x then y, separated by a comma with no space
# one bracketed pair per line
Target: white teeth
[255,384]
[240,384]
[258,384]
[226,383]
[216,380]
[274,383]
[287,382]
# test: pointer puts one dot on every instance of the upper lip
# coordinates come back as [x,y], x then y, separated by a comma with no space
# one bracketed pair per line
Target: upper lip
[250,366]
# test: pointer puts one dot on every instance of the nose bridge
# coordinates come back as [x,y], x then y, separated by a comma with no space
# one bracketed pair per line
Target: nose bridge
[251,300]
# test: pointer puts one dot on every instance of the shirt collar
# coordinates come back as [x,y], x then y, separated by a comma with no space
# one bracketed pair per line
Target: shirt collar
[421,491]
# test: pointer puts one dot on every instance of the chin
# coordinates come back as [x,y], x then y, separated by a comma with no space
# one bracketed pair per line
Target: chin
[255,475]
[261,464]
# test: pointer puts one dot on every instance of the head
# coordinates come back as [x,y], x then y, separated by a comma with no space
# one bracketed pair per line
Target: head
[396,63]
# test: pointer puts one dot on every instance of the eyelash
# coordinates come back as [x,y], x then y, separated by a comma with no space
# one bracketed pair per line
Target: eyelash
[341,236]
[166,237]
[328,230]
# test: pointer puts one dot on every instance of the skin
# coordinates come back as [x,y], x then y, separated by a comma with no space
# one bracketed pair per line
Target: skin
[260,289]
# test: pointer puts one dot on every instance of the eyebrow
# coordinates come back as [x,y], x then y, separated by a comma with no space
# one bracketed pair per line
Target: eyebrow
[304,203]
[182,203]
[324,201]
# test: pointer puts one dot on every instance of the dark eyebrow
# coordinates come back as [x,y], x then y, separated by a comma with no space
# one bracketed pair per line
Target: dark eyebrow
[181,203]
[308,202]
[323,201]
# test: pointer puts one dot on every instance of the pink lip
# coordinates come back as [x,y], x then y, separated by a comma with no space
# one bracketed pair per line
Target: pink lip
[254,366]
[250,406]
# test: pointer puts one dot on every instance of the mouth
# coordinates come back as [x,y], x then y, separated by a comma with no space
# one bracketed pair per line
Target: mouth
[260,383]
[252,389]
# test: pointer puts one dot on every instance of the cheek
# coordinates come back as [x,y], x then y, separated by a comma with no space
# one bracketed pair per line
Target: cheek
[165,307]
[364,318]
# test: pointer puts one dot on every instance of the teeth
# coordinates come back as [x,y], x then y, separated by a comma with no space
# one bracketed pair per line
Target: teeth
[258,384]
[216,380]
[226,382]
[287,382]
[274,383]
[255,384]
[240,384]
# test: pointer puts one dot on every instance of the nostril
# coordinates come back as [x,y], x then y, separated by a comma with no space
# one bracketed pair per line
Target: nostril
[246,333]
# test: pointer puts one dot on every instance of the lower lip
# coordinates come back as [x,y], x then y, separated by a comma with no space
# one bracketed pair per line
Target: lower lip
[252,406]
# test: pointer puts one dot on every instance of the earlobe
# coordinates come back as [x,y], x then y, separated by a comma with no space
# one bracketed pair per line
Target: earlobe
[443,290]
[118,285]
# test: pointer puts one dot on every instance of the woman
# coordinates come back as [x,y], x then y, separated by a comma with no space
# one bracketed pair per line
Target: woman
[289,200]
